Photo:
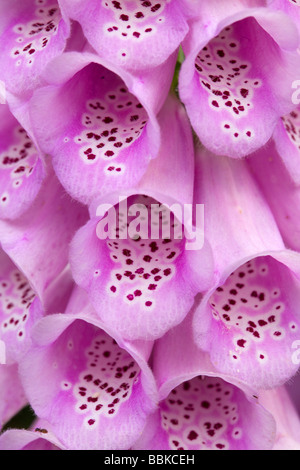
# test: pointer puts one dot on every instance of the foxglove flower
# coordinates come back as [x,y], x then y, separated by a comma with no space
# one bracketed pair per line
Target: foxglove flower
[101,385]
[236,80]
[200,409]
[132,34]
[252,308]
[33,32]
[39,438]
[152,276]
[107,131]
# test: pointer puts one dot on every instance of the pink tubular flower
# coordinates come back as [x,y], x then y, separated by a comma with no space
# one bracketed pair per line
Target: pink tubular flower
[32,33]
[131,34]
[101,385]
[200,409]
[108,130]
[22,169]
[237,78]
[252,307]
[142,283]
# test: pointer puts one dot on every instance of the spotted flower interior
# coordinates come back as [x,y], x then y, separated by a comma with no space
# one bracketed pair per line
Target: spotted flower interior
[94,383]
[105,382]
[19,310]
[103,143]
[34,33]
[233,85]
[292,126]
[225,74]
[207,413]
[129,32]
[111,125]
[21,167]
[255,317]
[137,257]
[137,22]
[287,140]
[143,264]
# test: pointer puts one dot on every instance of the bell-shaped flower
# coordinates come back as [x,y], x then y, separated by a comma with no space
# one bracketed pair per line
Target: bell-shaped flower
[280,191]
[132,34]
[98,123]
[12,395]
[22,169]
[40,437]
[139,257]
[236,81]
[249,319]
[32,33]
[101,385]
[200,409]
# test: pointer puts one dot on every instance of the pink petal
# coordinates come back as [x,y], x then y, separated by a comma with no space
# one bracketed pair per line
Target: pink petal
[105,399]
[12,395]
[37,242]
[40,438]
[278,403]
[108,134]
[131,34]
[155,276]
[21,167]
[226,79]
[200,409]
[32,34]
[290,7]
[287,140]
[19,310]
[249,319]
[280,190]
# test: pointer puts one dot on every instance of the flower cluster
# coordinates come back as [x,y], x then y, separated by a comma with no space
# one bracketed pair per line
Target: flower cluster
[150,223]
